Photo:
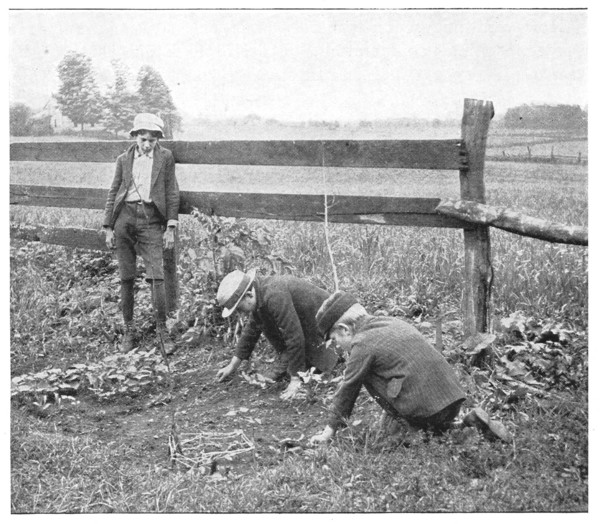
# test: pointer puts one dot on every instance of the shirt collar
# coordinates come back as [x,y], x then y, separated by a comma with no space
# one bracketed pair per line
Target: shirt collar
[139,154]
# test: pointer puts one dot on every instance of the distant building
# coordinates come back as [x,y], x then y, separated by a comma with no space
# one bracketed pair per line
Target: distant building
[58,121]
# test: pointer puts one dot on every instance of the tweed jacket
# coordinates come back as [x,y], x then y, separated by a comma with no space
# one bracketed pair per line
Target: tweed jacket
[164,191]
[405,374]
[285,313]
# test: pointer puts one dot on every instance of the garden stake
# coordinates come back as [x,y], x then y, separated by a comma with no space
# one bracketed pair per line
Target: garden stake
[174,442]
[336,282]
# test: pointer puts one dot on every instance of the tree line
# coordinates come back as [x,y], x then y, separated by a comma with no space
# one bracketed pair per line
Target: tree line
[79,99]
[545,116]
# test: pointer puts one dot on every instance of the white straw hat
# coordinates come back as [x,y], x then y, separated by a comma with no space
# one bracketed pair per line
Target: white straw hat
[233,288]
[147,122]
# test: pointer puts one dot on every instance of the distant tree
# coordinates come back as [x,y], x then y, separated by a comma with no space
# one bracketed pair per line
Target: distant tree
[41,125]
[119,102]
[154,96]
[544,116]
[20,116]
[78,96]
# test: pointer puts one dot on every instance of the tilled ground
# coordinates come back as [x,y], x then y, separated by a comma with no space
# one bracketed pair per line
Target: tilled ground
[203,408]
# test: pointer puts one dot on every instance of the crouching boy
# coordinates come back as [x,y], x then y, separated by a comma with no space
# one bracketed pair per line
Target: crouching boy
[396,364]
[283,308]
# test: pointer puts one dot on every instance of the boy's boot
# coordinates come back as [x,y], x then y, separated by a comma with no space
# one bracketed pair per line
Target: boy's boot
[128,342]
[162,333]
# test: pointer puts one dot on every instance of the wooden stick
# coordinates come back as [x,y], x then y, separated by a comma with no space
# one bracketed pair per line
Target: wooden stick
[336,282]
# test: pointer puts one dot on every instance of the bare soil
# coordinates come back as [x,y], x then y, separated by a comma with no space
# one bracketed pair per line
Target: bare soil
[199,404]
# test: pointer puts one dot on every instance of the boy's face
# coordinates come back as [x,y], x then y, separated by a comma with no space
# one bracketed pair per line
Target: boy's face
[341,335]
[146,142]
[248,303]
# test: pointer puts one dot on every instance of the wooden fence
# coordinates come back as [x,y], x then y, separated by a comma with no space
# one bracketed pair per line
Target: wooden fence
[465,155]
[578,159]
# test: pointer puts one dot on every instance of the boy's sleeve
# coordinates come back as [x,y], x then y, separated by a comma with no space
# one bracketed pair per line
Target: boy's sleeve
[283,312]
[112,193]
[250,335]
[357,368]
[171,191]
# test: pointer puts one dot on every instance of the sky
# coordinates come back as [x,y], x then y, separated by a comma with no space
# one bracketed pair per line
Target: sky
[315,64]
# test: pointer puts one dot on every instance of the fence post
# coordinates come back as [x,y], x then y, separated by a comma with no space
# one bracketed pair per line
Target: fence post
[478,268]
[170,274]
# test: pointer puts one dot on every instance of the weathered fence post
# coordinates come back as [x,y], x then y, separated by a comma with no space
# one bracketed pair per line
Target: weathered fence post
[170,274]
[478,268]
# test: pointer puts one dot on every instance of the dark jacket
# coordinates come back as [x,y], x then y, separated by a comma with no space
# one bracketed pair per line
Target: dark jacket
[164,190]
[407,376]
[285,312]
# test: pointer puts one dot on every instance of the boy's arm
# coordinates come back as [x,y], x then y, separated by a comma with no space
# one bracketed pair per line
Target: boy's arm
[171,192]
[112,194]
[357,368]
[223,373]
[345,397]
[281,308]
[250,335]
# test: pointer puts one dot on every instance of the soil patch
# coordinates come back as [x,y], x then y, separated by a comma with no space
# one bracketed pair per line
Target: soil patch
[200,405]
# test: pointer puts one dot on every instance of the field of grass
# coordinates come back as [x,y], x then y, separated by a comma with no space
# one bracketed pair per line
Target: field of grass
[94,453]
[383,264]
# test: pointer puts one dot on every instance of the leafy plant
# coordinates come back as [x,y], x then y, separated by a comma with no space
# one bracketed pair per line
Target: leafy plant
[117,374]
[220,246]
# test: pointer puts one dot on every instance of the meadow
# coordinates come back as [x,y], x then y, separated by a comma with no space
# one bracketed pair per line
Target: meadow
[103,446]
[385,262]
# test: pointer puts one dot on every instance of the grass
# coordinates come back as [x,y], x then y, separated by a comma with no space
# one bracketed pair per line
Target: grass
[543,470]
[92,456]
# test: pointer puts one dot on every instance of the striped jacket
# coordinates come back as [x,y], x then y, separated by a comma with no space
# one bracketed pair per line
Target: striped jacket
[399,368]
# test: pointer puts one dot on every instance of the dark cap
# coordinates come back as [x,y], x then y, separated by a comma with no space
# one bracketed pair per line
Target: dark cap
[332,310]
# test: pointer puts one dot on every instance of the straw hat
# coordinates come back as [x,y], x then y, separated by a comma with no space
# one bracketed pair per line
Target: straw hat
[147,122]
[233,288]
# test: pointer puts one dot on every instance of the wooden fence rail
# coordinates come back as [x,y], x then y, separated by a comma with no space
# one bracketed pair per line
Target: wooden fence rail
[407,154]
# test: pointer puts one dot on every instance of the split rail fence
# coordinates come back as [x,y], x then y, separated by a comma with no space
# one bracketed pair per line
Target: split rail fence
[465,155]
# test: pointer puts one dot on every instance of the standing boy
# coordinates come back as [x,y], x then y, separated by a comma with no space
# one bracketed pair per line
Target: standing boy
[284,309]
[141,213]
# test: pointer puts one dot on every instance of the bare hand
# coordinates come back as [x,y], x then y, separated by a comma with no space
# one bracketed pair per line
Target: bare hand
[323,437]
[293,388]
[223,373]
[110,238]
[169,238]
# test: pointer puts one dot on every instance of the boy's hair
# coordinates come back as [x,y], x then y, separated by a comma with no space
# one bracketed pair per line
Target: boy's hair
[155,134]
[352,316]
